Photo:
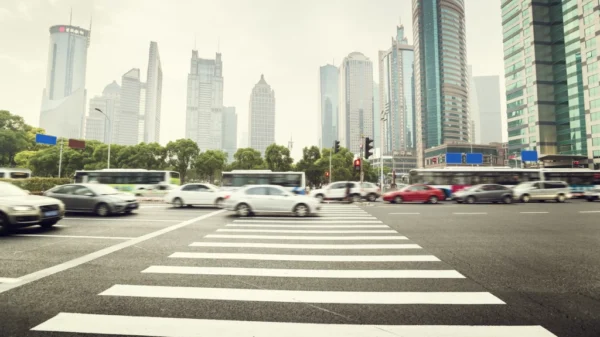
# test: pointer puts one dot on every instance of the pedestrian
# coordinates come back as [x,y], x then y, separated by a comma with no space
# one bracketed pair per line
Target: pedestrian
[348,187]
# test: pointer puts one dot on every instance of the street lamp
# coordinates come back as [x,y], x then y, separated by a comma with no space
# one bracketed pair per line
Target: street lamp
[109,134]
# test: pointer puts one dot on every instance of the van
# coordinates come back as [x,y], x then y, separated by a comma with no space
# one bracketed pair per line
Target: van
[542,191]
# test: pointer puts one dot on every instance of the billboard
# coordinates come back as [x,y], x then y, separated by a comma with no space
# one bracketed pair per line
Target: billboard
[45,139]
[475,158]
[453,158]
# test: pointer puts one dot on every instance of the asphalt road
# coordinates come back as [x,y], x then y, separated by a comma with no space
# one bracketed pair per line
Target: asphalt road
[357,270]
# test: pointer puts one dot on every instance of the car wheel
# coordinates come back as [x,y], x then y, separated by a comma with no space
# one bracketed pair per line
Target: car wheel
[243,210]
[301,210]
[320,197]
[470,199]
[526,198]
[433,199]
[355,198]
[177,202]
[102,209]
[398,199]
[48,223]
[219,202]
[561,198]
[4,225]
[507,199]
[372,197]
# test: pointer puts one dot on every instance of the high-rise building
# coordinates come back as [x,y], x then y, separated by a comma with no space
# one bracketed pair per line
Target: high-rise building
[204,113]
[356,101]
[261,117]
[153,96]
[64,97]
[552,78]
[229,133]
[376,116]
[328,96]
[487,127]
[98,124]
[475,130]
[127,126]
[396,94]
[441,84]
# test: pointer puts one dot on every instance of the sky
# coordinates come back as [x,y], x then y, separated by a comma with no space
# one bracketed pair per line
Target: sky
[286,40]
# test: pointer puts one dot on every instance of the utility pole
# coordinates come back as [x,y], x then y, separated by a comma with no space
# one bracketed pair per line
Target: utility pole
[381,134]
[330,155]
[362,141]
[60,157]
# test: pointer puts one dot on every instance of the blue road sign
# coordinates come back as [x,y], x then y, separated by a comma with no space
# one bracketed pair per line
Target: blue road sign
[475,158]
[45,139]
[529,156]
[453,158]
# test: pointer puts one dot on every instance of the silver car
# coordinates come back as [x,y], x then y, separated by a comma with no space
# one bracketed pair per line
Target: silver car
[484,193]
[100,199]
[542,191]
[20,209]
[593,194]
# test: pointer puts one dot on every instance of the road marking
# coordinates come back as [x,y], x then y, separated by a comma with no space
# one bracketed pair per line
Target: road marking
[124,219]
[300,237]
[309,231]
[589,211]
[308,221]
[285,219]
[8,280]
[328,258]
[467,213]
[404,213]
[307,226]
[78,237]
[61,226]
[307,273]
[533,212]
[304,246]
[100,253]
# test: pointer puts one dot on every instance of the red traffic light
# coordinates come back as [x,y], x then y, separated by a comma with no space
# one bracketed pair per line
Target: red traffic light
[327,173]
[357,162]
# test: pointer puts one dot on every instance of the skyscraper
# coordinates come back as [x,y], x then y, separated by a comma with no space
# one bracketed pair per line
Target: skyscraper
[475,130]
[261,117]
[376,115]
[128,126]
[356,101]
[328,108]
[63,100]
[98,126]
[153,96]
[396,94]
[487,91]
[552,77]
[204,113]
[229,133]
[441,85]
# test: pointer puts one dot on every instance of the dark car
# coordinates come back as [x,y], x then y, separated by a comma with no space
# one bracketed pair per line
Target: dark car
[484,193]
[415,193]
[100,199]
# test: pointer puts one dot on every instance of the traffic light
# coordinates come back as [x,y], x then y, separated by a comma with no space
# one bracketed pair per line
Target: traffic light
[357,164]
[326,174]
[368,147]
[336,146]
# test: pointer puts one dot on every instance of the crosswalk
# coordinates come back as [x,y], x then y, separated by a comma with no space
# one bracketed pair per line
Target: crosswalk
[315,258]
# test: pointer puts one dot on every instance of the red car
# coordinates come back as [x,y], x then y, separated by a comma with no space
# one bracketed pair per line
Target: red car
[415,193]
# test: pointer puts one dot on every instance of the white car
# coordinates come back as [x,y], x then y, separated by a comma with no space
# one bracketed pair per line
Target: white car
[196,194]
[270,199]
[337,191]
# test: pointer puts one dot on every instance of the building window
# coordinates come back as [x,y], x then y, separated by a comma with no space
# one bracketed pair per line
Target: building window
[596,128]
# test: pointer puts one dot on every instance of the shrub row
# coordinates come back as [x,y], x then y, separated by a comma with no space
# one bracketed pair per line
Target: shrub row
[36,185]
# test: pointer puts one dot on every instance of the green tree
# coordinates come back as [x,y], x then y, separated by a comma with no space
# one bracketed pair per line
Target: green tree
[14,137]
[209,164]
[180,155]
[315,175]
[278,158]
[247,159]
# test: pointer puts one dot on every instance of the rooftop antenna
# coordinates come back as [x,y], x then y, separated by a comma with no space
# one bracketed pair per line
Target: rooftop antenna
[290,143]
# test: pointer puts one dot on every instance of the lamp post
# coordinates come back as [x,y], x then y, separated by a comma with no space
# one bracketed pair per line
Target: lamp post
[109,134]
[381,135]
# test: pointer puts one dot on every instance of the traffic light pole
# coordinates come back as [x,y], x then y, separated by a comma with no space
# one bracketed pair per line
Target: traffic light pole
[330,173]
[362,175]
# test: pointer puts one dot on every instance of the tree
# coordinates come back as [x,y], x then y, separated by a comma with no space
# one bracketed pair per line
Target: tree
[314,175]
[209,164]
[180,155]
[278,158]
[247,159]
[14,137]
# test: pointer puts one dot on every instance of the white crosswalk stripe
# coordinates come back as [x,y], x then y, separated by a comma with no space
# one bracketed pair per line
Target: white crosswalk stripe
[343,244]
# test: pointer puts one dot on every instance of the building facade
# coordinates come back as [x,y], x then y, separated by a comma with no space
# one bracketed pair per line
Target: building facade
[153,96]
[493,154]
[328,108]
[356,101]
[100,125]
[127,122]
[204,112]
[441,84]
[64,97]
[396,94]
[474,116]
[489,109]
[261,117]
[229,133]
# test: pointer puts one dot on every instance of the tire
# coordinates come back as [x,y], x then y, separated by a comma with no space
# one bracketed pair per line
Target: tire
[320,197]
[525,198]
[102,210]
[561,198]
[371,197]
[433,199]
[470,199]
[129,211]
[219,202]
[355,198]
[177,202]
[507,200]
[301,210]
[398,199]
[48,224]
[5,227]
[243,210]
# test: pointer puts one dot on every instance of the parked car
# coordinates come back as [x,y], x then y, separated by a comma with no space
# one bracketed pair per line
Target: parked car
[270,199]
[542,191]
[484,193]
[20,209]
[592,195]
[100,199]
[415,193]
[196,194]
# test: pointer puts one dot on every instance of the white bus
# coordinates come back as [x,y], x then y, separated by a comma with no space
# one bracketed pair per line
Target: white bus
[14,173]
[292,181]
[135,181]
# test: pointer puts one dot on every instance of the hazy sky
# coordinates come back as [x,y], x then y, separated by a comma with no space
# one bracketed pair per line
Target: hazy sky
[285,40]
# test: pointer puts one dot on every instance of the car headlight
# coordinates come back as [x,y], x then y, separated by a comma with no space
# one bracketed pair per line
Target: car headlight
[22,208]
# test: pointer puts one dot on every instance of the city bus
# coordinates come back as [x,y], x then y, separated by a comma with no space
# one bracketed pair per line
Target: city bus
[14,173]
[293,181]
[452,179]
[136,181]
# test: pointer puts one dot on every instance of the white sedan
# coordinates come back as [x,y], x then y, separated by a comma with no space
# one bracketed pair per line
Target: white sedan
[196,194]
[270,199]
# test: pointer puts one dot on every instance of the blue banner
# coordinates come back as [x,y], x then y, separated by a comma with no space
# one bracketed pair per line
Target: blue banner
[475,158]
[453,158]
[529,156]
[45,139]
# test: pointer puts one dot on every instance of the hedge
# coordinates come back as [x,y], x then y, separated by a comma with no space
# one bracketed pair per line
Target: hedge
[35,185]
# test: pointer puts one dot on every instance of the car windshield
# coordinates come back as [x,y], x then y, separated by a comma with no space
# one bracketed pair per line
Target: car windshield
[9,190]
[103,190]
[405,188]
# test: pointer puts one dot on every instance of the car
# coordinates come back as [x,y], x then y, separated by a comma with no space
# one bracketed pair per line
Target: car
[484,193]
[415,193]
[369,191]
[337,191]
[270,199]
[542,191]
[196,194]
[156,191]
[593,194]
[20,209]
[99,199]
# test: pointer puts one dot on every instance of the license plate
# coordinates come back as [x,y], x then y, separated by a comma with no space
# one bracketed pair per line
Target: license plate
[51,213]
